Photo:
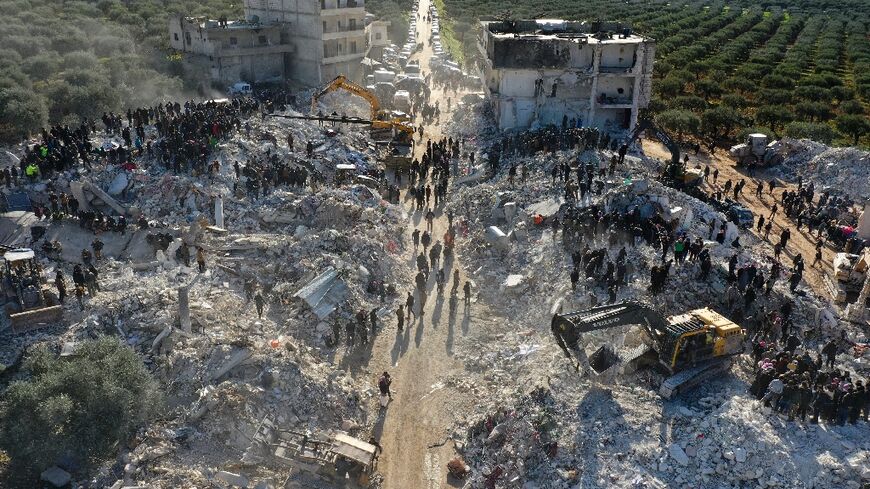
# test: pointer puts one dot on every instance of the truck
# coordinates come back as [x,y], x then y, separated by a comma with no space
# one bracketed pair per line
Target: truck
[757,149]
[687,348]
[334,456]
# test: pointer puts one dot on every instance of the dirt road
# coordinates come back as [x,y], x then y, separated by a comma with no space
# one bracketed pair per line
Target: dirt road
[412,430]
[802,241]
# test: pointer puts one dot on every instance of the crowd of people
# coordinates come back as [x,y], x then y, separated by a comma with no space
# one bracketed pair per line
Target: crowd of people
[796,384]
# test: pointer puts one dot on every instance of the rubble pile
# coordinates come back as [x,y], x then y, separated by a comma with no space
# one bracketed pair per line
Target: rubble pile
[536,267]
[232,368]
[574,433]
[843,171]
[473,121]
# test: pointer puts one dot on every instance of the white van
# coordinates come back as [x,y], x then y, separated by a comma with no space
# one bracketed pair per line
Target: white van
[240,89]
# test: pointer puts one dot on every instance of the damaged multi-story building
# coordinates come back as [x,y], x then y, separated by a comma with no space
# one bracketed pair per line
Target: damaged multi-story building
[592,74]
[310,41]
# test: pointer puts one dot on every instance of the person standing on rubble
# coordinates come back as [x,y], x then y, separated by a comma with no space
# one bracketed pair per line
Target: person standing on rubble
[415,238]
[384,384]
[94,275]
[467,290]
[409,304]
[400,317]
[259,302]
[60,283]
[200,258]
[455,281]
[97,246]
[361,326]
[373,319]
[80,293]
[430,217]
[349,330]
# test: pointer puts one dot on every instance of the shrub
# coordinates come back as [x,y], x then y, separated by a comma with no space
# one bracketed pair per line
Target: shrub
[80,406]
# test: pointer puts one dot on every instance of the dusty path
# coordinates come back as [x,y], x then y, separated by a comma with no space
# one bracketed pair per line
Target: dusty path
[802,241]
[414,427]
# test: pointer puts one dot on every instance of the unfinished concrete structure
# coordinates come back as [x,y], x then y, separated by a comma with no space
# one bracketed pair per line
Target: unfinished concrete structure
[377,38]
[311,41]
[329,35]
[538,72]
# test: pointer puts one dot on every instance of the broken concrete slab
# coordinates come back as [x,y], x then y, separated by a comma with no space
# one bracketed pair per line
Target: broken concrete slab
[324,293]
[77,189]
[55,476]
[235,360]
[677,453]
[106,198]
[119,184]
[514,283]
[234,480]
[497,238]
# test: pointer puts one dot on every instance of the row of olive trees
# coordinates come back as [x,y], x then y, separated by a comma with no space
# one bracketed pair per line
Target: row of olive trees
[783,74]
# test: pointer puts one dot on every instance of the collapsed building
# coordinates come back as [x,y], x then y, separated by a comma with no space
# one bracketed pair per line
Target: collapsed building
[310,41]
[539,72]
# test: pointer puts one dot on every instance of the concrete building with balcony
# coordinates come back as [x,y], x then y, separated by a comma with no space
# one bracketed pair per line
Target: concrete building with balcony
[329,35]
[310,41]
[233,51]
[539,72]
[377,39]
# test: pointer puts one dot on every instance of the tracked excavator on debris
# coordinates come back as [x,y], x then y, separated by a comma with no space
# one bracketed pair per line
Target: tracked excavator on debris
[380,119]
[688,348]
[397,148]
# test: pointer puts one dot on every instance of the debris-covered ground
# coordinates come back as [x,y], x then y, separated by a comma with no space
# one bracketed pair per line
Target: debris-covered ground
[480,378]
[840,170]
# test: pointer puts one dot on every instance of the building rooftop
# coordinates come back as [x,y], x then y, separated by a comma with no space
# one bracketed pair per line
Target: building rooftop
[557,29]
[206,23]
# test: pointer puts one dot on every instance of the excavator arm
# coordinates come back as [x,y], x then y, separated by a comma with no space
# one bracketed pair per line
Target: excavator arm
[661,135]
[567,328]
[341,82]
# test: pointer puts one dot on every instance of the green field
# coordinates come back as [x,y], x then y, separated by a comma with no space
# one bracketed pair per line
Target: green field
[796,68]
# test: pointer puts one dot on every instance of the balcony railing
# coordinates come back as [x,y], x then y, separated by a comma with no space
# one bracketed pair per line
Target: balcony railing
[342,4]
[334,30]
[605,100]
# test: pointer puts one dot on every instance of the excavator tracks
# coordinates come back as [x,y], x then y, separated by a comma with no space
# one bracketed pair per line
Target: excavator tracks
[691,377]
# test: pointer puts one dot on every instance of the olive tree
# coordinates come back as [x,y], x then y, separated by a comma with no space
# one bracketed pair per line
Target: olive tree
[77,407]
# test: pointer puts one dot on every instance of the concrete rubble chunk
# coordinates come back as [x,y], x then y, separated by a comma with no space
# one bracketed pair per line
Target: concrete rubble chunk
[234,480]
[234,361]
[55,476]
[740,454]
[119,184]
[677,453]
[497,238]
[323,293]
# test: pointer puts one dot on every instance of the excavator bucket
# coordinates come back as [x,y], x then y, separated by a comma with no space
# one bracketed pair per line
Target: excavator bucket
[603,359]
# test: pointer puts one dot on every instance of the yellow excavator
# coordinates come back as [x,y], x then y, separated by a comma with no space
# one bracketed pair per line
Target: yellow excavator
[689,348]
[381,119]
